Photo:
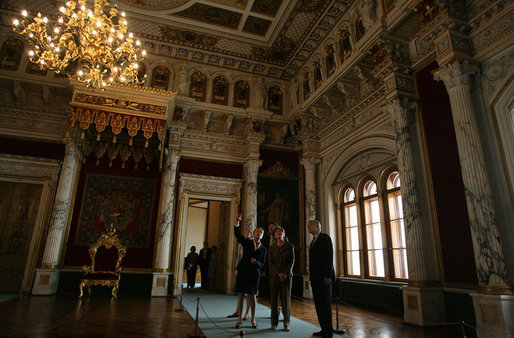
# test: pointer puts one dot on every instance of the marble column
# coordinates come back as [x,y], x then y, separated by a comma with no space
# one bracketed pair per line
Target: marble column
[494,303]
[251,171]
[48,276]
[488,251]
[309,164]
[162,254]
[422,303]
[416,248]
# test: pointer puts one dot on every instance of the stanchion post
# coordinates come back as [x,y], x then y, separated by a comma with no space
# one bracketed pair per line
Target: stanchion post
[337,330]
[181,308]
[463,329]
[196,335]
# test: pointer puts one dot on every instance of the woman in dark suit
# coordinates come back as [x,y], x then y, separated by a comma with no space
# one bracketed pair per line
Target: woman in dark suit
[280,262]
[249,269]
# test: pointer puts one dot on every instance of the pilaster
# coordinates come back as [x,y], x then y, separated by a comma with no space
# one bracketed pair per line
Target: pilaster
[47,277]
[162,256]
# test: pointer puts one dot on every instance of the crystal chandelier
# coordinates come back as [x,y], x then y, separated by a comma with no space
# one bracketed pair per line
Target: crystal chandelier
[95,41]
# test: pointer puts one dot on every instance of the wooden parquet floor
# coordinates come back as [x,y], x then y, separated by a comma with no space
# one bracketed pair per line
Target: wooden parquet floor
[141,316]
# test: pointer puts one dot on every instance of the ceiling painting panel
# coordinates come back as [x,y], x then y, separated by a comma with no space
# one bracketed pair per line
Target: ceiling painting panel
[256,25]
[267,7]
[213,15]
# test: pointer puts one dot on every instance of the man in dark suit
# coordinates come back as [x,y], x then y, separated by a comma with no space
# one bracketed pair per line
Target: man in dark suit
[322,275]
[203,260]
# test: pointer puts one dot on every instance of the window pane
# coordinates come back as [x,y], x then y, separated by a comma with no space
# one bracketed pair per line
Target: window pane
[350,212]
[376,263]
[395,205]
[370,188]
[349,195]
[353,263]
[393,181]
[374,236]
[400,264]
[372,211]
[397,234]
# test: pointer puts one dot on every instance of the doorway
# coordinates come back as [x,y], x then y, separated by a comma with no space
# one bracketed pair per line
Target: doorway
[205,220]
[208,208]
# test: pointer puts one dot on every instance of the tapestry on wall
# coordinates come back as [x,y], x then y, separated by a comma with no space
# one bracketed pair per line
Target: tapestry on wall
[127,203]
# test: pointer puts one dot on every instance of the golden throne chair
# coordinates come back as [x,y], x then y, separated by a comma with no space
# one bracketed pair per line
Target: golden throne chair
[106,255]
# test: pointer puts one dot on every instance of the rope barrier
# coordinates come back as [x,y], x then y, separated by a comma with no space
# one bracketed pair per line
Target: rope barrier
[462,324]
[241,332]
[199,303]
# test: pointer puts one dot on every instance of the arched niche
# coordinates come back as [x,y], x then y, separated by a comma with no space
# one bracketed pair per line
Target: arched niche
[220,90]
[275,100]
[10,54]
[198,86]
[160,77]
[242,94]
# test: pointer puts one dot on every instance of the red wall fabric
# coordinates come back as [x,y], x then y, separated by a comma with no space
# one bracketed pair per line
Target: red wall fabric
[31,148]
[452,215]
[208,168]
[141,258]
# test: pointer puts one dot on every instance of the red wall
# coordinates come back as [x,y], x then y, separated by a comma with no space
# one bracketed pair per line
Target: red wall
[142,258]
[31,148]
[452,214]
[199,167]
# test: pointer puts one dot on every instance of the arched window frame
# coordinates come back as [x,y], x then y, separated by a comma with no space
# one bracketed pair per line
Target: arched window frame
[395,226]
[392,271]
[352,239]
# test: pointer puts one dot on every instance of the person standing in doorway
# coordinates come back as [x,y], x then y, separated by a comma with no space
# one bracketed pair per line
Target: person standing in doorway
[322,276]
[191,265]
[203,261]
[212,268]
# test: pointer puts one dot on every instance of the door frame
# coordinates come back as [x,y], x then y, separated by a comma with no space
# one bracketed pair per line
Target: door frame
[207,188]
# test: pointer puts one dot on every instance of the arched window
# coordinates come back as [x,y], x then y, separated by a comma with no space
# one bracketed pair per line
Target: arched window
[373,230]
[160,77]
[242,94]
[220,90]
[345,45]
[275,100]
[396,226]
[198,86]
[351,234]
[10,54]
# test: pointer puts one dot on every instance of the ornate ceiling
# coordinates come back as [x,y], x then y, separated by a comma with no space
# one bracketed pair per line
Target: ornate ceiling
[265,37]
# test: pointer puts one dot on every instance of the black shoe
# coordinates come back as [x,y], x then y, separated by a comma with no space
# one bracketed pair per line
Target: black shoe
[254,325]
[318,334]
[232,316]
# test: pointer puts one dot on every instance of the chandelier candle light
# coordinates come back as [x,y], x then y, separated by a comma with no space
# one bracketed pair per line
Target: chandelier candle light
[97,42]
